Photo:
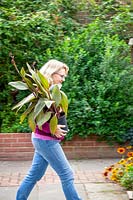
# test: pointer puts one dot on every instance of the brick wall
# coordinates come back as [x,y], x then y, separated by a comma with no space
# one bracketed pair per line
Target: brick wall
[18,146]
[80,148]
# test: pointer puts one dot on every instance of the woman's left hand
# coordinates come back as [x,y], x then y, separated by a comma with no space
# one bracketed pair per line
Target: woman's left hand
[60,132]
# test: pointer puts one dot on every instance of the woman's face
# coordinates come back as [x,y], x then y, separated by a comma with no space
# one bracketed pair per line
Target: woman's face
[59,76]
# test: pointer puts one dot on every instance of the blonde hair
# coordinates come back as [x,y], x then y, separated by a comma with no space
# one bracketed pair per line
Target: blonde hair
[51,67]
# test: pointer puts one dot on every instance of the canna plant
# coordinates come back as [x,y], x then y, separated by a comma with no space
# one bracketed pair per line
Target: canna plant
[44,102]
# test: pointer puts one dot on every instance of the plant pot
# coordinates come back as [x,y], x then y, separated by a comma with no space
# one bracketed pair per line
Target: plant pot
[62,121]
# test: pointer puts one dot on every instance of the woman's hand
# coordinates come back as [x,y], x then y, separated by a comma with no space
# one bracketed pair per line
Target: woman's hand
[60,132]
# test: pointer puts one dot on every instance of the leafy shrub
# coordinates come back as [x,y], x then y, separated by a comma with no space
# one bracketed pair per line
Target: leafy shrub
[117,15]
[99,78]
[128,136]
[28,29]
[11,122]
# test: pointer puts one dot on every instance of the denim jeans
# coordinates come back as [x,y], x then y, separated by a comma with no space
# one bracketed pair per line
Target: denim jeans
[48,152]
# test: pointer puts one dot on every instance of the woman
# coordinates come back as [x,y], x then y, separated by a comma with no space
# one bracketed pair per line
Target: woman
[48,150]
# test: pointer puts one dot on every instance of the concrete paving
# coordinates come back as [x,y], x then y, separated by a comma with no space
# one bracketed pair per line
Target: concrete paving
[89,181]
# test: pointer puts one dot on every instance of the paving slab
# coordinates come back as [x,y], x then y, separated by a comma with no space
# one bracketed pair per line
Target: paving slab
[110,191]
[47,192]
[9,193]
[89,181]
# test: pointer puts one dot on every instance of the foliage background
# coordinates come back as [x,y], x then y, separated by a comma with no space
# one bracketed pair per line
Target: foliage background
[99,85]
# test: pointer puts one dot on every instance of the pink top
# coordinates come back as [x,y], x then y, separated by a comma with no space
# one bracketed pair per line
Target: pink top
[45,134]
[43,137]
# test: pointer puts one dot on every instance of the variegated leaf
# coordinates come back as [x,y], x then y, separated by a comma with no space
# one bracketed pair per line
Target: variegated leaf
[42,118]
[49,103]
[56,95]
[39,106]
[27,99]
[41,88]
[29,84]
[30,69]
[27,111]
[53,124]
[22,72]
[18,85]
[31,121]
[64,102]
[43,80]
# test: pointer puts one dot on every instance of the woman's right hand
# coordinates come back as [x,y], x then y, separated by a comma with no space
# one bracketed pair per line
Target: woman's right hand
[59,131]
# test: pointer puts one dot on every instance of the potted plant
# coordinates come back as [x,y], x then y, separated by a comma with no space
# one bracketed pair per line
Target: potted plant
[44,102]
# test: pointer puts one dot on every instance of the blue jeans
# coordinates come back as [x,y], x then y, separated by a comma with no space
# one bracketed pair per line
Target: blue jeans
[48,152]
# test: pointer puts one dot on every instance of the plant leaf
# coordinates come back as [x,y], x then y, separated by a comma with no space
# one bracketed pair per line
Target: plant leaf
[27,99]
[31,121]
[39,107]
[56,95]
[29,84]
[27,111]
[43,80]
[53,124]
[19,85]
[42,118]
[49,103]
[41,88]
[30,69]
[64,102]
[22,72]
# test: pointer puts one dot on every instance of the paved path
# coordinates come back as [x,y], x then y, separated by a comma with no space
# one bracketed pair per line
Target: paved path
[89,181]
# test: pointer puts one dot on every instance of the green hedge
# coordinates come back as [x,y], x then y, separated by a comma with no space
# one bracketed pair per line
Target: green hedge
[99,85]
[28,29]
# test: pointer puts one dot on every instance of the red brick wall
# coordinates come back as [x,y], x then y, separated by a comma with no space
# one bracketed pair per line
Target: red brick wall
[18,146]
[80,148]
